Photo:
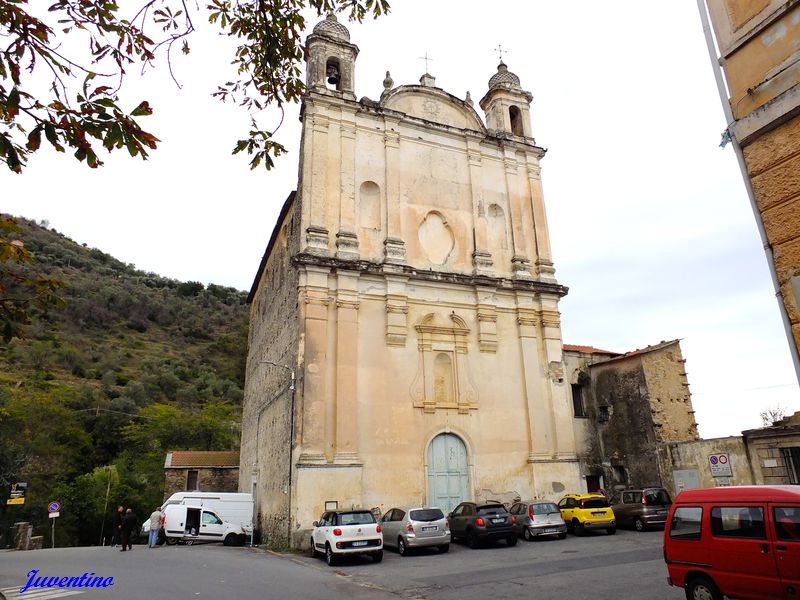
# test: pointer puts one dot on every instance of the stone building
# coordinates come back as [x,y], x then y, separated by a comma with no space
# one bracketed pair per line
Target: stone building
[405,339]
[204,471]
[624,406]
[775,451]
[760,93]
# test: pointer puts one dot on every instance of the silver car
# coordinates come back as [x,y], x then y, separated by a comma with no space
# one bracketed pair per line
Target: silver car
[537,518]
[415,527]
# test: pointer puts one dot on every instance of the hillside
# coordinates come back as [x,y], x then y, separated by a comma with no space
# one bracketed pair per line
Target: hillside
[130,365]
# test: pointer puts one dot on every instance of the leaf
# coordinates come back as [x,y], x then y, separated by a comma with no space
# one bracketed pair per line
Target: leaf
[35,139]
[142,110]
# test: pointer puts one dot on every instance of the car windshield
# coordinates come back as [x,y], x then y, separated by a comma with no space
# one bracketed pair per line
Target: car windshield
[594,503]
[657,497]
[491,509]
[356,518]
[427,514]
[546,508]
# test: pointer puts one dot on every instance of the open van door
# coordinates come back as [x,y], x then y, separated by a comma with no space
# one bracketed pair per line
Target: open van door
[786,521]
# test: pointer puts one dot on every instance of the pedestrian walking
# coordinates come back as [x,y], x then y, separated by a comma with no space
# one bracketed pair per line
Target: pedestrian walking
[128,526]
[116,527]
[155,527]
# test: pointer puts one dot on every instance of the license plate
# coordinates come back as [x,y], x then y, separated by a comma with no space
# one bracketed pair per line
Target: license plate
[364,543]
[434,528]
[661,513]
[598,514]
[550,530]
[498,520]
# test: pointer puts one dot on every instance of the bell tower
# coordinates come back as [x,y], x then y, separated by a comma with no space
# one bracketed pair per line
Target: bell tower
[507,105]
[331,59]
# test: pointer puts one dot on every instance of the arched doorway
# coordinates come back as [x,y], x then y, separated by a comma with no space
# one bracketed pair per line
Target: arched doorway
[448,471]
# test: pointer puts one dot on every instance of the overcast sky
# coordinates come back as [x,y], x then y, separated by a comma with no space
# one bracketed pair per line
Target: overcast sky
[651,226]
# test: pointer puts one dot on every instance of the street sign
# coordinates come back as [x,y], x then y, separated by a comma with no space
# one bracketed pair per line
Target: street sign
[54,507]
[17,495]
[53,515]
[720,465]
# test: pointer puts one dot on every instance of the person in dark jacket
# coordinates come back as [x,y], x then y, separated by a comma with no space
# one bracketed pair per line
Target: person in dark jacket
[128,526]
[116,527]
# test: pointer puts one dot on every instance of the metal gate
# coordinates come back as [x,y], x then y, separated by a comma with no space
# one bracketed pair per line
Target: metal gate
[448,471]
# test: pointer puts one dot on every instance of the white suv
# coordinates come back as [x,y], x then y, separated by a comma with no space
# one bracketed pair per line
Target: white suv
[346,532]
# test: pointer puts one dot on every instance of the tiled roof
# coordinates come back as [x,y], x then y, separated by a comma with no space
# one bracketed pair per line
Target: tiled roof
[587,349]
[202,458]
[637,352]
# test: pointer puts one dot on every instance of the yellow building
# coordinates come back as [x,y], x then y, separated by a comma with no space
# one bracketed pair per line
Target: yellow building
[405,339]
[759,51]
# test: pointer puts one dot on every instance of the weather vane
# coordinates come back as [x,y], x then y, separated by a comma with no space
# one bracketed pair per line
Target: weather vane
[426,59]
[500,51]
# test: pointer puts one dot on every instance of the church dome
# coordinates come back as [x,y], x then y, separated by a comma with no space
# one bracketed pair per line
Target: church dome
[331,28]
[504,78]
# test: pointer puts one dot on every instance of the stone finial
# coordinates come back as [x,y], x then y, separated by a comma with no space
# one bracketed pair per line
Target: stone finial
[469,100]
[388,82]
[427,80]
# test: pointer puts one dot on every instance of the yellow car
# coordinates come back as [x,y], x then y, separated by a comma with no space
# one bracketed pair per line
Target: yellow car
[582,512]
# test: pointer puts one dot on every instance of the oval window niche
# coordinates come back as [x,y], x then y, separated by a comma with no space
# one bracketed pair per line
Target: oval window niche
[436,238]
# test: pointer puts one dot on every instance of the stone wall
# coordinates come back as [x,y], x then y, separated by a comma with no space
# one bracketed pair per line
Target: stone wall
[267,422]
[766,448]
[668,394]
[208,480]
[685,465]
[773,163]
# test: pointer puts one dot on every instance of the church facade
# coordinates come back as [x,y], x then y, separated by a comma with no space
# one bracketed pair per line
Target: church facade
[405,342]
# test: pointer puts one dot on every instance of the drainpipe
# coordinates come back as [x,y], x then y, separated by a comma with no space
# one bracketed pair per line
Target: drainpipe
[729,119]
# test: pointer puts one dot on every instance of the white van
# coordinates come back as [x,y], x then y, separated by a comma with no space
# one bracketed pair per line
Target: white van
[231,507]
[197,523]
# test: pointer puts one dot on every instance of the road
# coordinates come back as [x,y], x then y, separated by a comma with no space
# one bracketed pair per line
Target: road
[627,565]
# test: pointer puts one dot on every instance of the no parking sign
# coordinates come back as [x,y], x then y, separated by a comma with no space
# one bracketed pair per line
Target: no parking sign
[720,465]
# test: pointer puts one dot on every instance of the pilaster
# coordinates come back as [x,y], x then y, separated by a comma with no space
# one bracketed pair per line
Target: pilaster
[347,304]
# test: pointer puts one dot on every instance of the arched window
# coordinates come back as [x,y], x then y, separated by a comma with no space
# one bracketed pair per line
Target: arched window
[333,74]
[516,121]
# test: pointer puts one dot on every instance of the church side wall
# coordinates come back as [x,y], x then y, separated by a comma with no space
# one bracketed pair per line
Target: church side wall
[267,424]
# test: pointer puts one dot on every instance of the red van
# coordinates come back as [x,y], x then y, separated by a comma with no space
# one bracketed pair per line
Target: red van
[741,542]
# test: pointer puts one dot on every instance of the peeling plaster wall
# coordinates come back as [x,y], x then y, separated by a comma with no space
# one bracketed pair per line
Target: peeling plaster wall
[266,413]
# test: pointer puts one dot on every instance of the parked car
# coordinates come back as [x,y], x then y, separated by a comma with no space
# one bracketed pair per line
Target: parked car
[641,509]
[584,512]
[537,518]
[197,523]
[477,523]
[347,532]
[739,542]
[415,527]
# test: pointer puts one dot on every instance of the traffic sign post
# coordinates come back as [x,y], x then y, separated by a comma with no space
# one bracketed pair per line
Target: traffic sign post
[53,509]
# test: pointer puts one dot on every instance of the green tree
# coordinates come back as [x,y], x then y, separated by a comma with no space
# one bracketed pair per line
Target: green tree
[84,109]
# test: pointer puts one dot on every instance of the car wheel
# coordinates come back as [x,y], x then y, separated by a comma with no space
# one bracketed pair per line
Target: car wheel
[577,529]
[330,557]
[444,548]
[230,539]
[378,556]
[313,550]
[527,535]
[472,540]
[702,588]
[401,546]
[562,536]
[171,541]
[511,540]
[611,530]
[639,525]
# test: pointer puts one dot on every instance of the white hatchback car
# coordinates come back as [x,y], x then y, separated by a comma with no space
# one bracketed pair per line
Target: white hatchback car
[347,532]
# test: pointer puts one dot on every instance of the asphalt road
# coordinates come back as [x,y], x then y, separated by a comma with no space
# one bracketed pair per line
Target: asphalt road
[627,565]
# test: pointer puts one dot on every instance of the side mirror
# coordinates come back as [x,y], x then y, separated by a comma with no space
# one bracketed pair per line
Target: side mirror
[450,515]
[315,524]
